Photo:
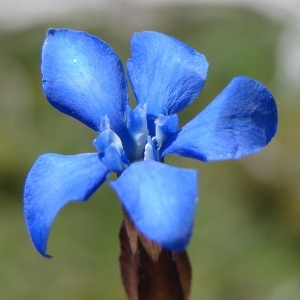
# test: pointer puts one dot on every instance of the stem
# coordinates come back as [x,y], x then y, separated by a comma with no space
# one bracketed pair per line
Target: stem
[150,272]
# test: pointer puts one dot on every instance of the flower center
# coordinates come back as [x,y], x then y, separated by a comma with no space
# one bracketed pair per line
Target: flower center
[110,146]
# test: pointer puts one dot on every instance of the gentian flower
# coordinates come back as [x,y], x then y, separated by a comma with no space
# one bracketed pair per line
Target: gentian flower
[83,77]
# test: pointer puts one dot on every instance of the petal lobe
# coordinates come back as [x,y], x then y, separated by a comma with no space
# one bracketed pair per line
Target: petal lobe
[83,77]
[161,201]
[241,120]
[53,181]
[165,73]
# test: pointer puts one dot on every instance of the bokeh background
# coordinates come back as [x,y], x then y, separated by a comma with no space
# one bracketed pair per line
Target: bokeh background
[246,241]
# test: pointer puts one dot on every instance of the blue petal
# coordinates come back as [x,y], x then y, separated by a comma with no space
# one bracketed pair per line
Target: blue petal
[240,121]
[161,201]
[83,77]
[165,73]
[53,181]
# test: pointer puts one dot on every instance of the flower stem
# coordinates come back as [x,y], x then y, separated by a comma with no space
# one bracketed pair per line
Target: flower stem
[150,272]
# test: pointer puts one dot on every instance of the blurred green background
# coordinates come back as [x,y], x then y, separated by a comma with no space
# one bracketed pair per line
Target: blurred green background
[246,240]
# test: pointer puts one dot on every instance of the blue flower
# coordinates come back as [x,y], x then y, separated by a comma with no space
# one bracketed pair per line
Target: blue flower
[84,78]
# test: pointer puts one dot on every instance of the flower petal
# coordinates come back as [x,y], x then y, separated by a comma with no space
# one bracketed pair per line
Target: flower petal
[165,73]
[53,181]
[83,77]
[161,201]
[240,121]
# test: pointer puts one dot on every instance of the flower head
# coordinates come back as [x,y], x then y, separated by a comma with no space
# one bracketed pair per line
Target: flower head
[84,78]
